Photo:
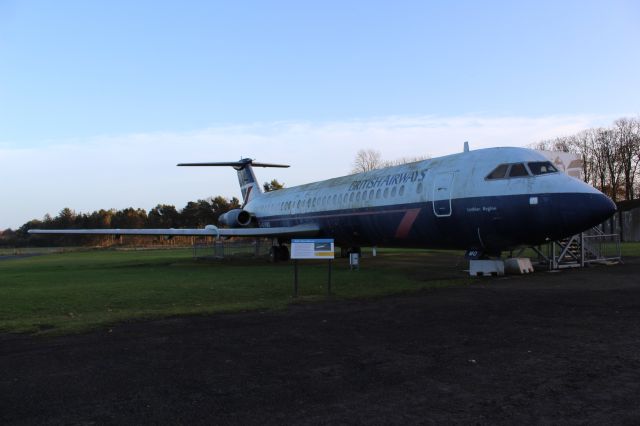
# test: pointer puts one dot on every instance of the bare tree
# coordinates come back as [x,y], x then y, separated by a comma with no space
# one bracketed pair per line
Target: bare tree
[606,165]
[581,144]
[628,140]
[614,165]
[406,160]
[636,152]
[542,145]
[598,156]
[367,160]
[371,159]
[611,156]
[562,143]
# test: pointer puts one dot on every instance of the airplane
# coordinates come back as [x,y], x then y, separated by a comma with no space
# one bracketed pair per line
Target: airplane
[484,201]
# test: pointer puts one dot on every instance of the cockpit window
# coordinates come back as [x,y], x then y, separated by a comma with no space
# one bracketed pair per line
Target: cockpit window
[498,172]
[518,170]
[541,167]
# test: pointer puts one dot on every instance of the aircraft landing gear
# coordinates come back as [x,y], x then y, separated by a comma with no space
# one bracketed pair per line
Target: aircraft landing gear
[345,252]
[279,253]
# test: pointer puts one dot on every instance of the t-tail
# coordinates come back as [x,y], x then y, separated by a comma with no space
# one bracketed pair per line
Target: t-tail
[248,184]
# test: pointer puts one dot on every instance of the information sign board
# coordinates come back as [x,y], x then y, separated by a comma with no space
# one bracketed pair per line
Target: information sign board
[316,248]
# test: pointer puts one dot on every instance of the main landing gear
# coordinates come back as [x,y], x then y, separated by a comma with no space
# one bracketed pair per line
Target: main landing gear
[279,253]
[346,251]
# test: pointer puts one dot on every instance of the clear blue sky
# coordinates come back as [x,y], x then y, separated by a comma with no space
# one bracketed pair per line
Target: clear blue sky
[72,71]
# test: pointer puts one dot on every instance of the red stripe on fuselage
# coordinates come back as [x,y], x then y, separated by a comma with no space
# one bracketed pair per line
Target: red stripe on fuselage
[406,223]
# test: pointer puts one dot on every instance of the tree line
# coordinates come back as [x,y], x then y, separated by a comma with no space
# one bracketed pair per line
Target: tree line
[611,156]
[196,214]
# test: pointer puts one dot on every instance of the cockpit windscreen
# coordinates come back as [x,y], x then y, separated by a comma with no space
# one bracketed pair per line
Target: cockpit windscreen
[541,167]
[499,172]
[517,170]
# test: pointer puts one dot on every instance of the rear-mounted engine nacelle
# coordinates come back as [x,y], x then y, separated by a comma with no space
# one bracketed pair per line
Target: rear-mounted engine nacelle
[235,218]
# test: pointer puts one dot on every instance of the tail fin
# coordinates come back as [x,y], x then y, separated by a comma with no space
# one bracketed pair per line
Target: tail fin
[247,179]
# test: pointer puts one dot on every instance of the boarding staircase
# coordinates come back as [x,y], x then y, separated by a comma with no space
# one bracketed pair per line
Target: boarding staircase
[592,246]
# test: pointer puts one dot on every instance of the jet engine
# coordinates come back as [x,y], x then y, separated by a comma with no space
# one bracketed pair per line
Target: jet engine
[235,218]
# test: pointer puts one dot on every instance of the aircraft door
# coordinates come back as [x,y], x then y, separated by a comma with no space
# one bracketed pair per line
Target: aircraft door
[442,185]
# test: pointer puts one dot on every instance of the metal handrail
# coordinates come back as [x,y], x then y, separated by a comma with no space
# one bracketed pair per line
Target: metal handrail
[582,249]
[606,247]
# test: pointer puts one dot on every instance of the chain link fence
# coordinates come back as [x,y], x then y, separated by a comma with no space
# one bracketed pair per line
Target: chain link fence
[220,249]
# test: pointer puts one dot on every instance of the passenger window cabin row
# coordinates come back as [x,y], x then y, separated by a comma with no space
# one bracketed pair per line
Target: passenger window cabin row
[343,200]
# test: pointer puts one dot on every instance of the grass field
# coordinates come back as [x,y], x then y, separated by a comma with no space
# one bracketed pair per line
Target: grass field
[630,249]
[78,291]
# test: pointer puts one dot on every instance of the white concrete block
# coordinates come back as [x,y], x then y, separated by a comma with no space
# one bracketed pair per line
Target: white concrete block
[518,266]
[486,268]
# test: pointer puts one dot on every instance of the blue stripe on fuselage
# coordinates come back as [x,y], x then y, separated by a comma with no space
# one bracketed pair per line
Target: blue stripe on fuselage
[490,223]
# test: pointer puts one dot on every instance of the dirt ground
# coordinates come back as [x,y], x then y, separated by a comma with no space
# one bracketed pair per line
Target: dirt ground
[549,348]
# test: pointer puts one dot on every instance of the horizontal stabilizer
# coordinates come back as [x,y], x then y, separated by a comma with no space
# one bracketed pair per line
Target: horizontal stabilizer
[235,164]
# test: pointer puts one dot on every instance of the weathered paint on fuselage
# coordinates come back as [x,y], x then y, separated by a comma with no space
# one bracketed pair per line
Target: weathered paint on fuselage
[444,202]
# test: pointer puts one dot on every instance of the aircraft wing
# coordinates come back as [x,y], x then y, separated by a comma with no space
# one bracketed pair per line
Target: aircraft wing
[304,230]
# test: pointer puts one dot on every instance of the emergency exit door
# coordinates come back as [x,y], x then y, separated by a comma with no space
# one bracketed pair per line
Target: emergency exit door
[442,186]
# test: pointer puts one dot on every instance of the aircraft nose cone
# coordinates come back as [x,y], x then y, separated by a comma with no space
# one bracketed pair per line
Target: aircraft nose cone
[579,213]
[571,214]
[598,208]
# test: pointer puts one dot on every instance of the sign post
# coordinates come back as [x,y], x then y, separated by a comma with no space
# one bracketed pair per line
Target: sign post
[354,261]
[329,279]
[316,249]
[295,278]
